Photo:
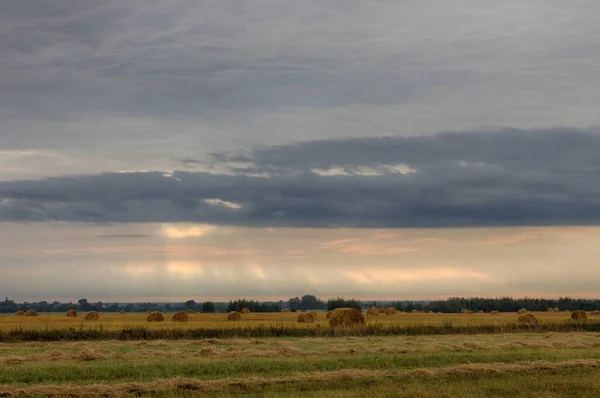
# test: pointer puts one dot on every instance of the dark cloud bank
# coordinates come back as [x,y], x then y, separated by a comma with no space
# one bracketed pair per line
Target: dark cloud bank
[509,177]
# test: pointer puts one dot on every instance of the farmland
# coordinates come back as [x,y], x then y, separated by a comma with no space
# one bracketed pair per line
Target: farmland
[528,363]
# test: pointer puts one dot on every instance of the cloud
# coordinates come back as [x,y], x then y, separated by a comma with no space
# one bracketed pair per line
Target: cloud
[502,178]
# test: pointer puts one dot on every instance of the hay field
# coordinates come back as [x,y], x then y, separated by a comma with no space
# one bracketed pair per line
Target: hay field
[114,321]
[520,364]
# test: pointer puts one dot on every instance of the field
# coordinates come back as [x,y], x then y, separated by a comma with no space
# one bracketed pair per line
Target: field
[531,363]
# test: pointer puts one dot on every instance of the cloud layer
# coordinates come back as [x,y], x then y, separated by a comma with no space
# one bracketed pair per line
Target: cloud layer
[507,177]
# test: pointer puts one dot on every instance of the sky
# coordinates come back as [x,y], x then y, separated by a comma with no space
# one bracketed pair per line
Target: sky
[267,149]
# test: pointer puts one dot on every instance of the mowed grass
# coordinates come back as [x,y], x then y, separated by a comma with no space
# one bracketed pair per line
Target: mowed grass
[519,364]
[111,321]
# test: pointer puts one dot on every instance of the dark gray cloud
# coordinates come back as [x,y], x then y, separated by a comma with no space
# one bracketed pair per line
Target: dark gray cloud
[507,177]
[123,78]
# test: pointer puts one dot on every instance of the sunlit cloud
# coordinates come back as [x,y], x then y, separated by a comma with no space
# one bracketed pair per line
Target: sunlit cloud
[383,276]
[184,268]
[138,270]
[177,231]
[224,203]
[367,247]
[506,239]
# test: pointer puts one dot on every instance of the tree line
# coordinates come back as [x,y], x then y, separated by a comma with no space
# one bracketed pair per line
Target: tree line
[311,302]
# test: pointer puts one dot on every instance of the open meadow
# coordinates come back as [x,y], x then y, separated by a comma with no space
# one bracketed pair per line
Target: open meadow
[528,362]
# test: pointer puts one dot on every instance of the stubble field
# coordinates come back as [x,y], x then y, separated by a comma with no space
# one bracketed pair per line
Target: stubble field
[530,363]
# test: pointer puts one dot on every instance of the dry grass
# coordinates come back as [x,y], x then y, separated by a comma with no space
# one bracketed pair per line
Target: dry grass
[180,316]
[307,381]
[72,313]
[234,316]
[346,317]
[466,311]
[494,312]
[92,316]
[155,316]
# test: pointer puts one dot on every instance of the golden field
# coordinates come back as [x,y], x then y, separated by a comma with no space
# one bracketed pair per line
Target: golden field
[116,321]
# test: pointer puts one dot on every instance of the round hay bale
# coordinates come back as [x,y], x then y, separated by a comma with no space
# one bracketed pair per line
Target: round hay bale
[494,312]
[287,310]
[92,316]
[346,317]
[155,316]
[550,309]
[72,314]
[556,309]
[522,311]
[466,311]
[596,313]
[306,317]
[20,313]
[390,311]
[528,319]
[234,316]
[373,311]
[245,310]
[180,316]
[381,310]
[328,314]
[31,313]
[314,314]
[190,311]
[579,315]
[121,312]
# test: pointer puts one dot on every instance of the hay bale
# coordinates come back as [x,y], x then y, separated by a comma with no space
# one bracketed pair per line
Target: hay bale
[494,312]
[155,316]
[190,311]
[245,310]
[373,311]
[20,313]
[522,311]
[381,310]
[550,309]
[234,316]
[92,316]
[31,313]
[287,310]
[180,316]
[596,313]
[306,317]
[528,319]
[390,311]
[556,309]
[314,314]
[121,312]
[346,317]
[579,315]
[466,311]
[72,314]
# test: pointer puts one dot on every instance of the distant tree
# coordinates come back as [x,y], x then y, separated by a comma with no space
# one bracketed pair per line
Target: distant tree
[208,306]
[190,305]
[294,303]
[310,302]
[339,302]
